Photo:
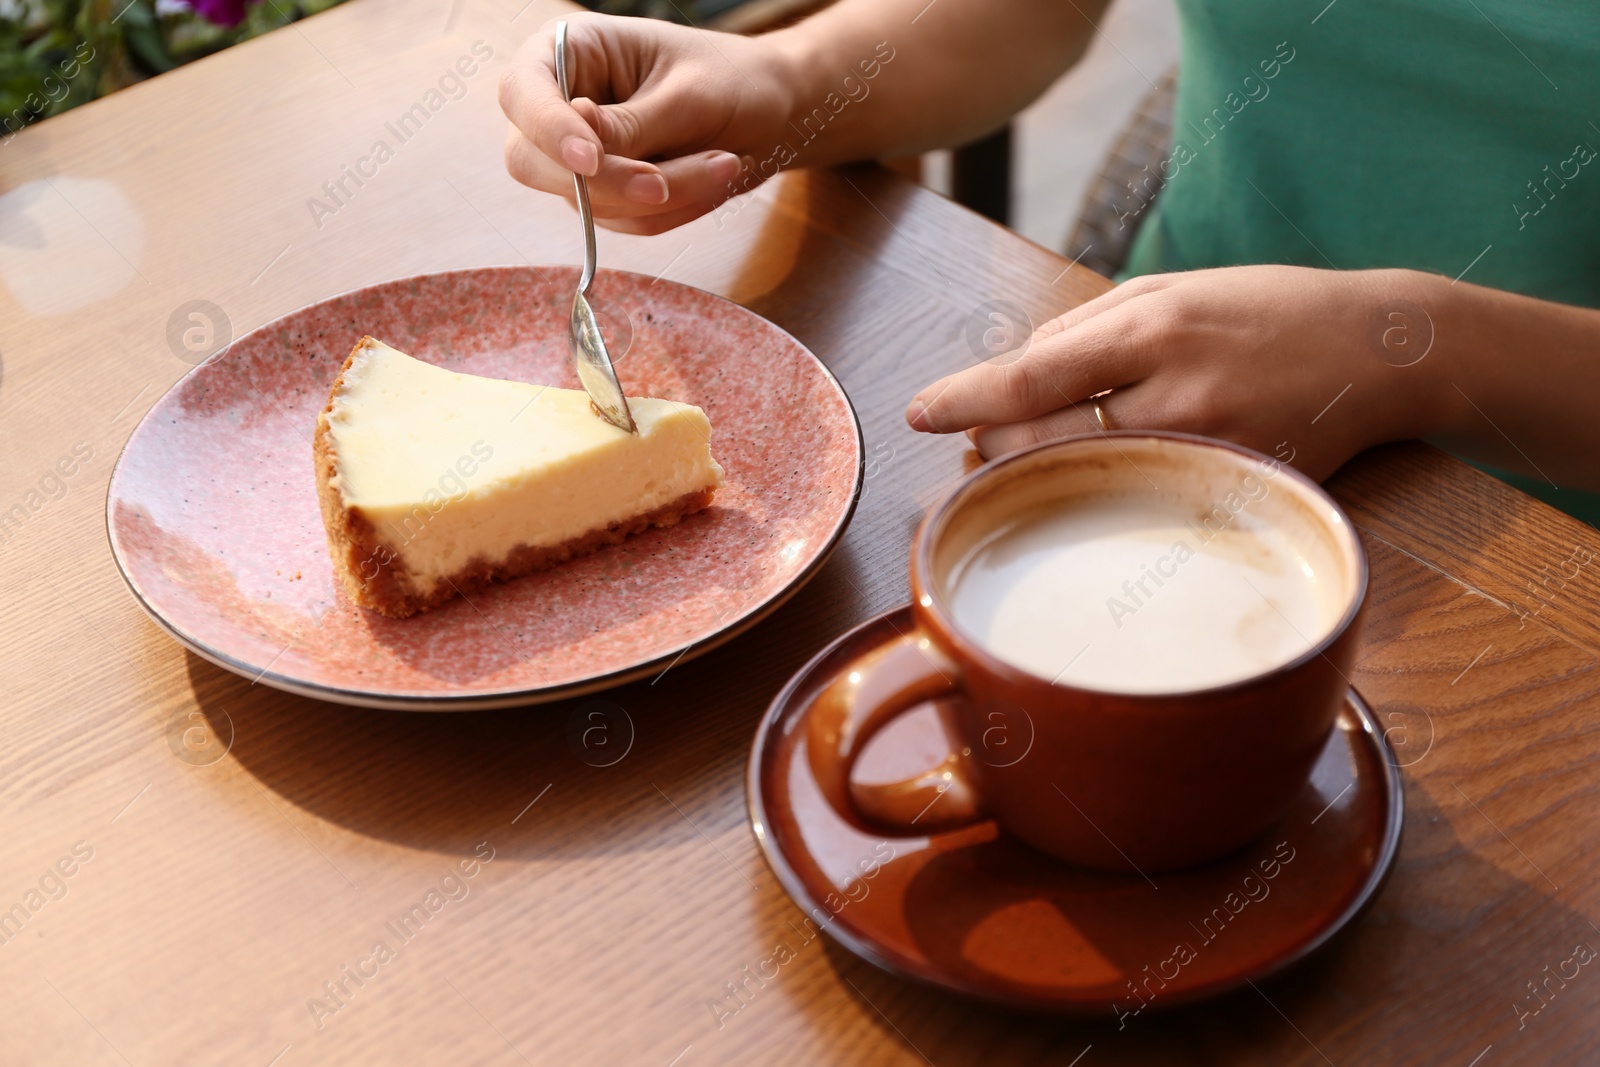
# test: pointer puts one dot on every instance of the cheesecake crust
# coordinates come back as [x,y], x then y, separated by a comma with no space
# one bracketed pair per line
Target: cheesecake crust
[374,573]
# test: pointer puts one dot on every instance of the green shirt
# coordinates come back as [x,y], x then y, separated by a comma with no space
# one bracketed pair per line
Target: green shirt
[1460,137]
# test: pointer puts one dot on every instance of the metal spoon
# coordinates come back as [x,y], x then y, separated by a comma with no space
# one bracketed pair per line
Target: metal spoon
[589,353]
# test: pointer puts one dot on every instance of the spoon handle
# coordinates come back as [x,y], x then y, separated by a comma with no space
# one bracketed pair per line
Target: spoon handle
[579,182]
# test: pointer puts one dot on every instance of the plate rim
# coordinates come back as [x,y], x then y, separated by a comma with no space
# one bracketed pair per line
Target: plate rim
[503,698]
[795,889]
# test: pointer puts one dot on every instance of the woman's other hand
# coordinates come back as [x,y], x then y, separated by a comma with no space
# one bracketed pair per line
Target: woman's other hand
[1308,365]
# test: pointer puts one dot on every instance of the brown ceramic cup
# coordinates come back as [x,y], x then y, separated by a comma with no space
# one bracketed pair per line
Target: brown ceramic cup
[1112,780]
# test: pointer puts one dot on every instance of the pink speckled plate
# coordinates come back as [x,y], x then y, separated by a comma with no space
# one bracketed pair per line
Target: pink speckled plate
[213,518]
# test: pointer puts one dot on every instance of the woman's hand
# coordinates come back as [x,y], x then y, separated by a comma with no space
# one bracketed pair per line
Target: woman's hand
[1308,365]
[660,118]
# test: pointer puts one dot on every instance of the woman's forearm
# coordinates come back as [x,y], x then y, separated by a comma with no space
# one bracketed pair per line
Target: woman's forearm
[1510,380]
[877,78]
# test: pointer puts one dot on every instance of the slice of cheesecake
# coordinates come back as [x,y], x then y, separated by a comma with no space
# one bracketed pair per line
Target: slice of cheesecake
[434,483]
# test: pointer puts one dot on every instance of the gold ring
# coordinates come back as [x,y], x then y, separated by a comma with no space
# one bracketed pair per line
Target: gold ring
[1100,417]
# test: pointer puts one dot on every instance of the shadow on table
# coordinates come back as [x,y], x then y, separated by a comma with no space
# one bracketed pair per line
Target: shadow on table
[615,762]
[1407,983]
[819,272]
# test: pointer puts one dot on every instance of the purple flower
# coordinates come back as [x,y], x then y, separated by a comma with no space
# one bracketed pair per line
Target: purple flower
[221,12]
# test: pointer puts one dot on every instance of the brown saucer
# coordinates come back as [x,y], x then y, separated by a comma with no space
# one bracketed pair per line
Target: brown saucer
[979,913]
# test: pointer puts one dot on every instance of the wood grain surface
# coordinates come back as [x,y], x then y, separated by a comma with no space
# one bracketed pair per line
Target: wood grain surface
[596,915]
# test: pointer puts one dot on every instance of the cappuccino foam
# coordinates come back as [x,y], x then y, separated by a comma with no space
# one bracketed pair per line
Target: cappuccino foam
[1143,592]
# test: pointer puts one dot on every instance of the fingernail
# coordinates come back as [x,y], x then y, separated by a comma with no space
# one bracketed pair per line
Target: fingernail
[646,189]
[581,156]
[917,416]
[724,168]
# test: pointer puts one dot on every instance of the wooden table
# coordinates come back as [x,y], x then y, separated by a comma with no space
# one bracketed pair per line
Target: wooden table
[209,903]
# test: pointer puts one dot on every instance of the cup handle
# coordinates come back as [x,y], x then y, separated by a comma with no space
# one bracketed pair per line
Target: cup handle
[862,700]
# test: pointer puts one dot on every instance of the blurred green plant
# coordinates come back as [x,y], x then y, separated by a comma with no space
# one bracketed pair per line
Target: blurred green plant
[57,54]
